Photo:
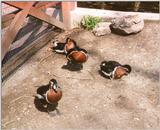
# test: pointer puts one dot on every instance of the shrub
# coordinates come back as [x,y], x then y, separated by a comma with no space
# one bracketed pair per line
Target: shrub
[89,22]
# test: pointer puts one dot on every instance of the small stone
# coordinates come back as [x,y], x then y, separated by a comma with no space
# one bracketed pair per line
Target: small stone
[34,79]
[48,72]
[102,28]
[18,118]
[136,118]
[76,107]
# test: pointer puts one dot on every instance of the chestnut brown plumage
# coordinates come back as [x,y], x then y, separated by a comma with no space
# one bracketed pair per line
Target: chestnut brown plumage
[54,94]
[77,55]
[120,71]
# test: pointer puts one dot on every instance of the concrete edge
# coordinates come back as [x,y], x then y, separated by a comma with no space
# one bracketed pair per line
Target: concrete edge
[78,13]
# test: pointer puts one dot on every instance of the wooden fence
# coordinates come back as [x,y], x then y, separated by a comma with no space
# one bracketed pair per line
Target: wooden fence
[14,20]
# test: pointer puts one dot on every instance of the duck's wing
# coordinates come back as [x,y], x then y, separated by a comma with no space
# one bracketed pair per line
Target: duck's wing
[113,63]
[109,66]
[42,89]
[58,47]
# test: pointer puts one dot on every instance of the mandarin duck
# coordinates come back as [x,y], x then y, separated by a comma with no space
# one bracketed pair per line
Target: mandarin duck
[114,70]
[63,48]
[49,95]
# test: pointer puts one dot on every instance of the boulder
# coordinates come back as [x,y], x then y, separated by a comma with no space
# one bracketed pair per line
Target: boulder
[127,24]
[102,28]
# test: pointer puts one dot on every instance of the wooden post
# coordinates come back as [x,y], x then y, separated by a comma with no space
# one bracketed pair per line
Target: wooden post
[136,6]
[66,8]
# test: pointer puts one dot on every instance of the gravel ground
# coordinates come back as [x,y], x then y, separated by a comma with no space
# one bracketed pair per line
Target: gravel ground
[89,100]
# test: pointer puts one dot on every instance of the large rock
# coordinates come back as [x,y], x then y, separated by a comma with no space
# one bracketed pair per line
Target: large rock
[127,24]
[102,28]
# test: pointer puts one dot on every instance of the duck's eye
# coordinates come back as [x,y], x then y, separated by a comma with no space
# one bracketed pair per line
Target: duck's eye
[103,64]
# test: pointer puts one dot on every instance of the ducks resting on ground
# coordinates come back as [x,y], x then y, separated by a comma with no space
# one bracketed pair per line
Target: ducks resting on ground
[114,70]
[63,48]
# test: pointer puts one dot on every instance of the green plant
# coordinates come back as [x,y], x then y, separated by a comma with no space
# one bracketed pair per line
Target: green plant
[89,22]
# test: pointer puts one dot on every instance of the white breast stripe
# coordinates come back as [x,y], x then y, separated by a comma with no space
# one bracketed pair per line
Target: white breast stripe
[114,72]
[107,74]
[47,98]
[85,54]
[70,54]
[65,49]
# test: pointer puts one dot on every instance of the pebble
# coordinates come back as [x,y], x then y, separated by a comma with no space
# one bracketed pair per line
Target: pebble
[136,119]
[34,79]
[18,118]
[76,107]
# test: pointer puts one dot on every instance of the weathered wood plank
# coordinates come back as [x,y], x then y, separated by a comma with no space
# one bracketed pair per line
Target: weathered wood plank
[17,60]
[14,27]
[44,5]
[7,19]
[35,12]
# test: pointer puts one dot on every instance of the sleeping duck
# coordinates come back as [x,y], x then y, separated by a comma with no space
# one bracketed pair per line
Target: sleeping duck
[114,70]
[77,55]
[63,48]
[52,93]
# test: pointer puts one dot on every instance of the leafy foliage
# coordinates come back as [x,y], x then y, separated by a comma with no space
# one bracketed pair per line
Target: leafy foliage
[89,22]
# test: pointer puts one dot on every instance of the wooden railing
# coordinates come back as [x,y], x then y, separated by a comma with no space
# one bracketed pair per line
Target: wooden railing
[34,9]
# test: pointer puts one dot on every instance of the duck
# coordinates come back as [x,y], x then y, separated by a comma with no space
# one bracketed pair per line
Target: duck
[77,55]
[114,70]
[63,48]
[52,93]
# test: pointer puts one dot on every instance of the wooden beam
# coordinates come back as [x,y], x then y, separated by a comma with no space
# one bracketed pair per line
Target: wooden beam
[44,5]
[37,13]
[14,27]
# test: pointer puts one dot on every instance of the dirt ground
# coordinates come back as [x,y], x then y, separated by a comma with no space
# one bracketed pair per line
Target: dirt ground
[89,100]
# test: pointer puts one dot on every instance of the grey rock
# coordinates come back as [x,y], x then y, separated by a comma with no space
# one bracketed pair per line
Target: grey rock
[102,28]
[127,24]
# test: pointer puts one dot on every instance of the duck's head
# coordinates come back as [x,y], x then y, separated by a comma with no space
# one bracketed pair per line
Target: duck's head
[53,85]
[103,64]
[70,43]
[121,71]
[128,68]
